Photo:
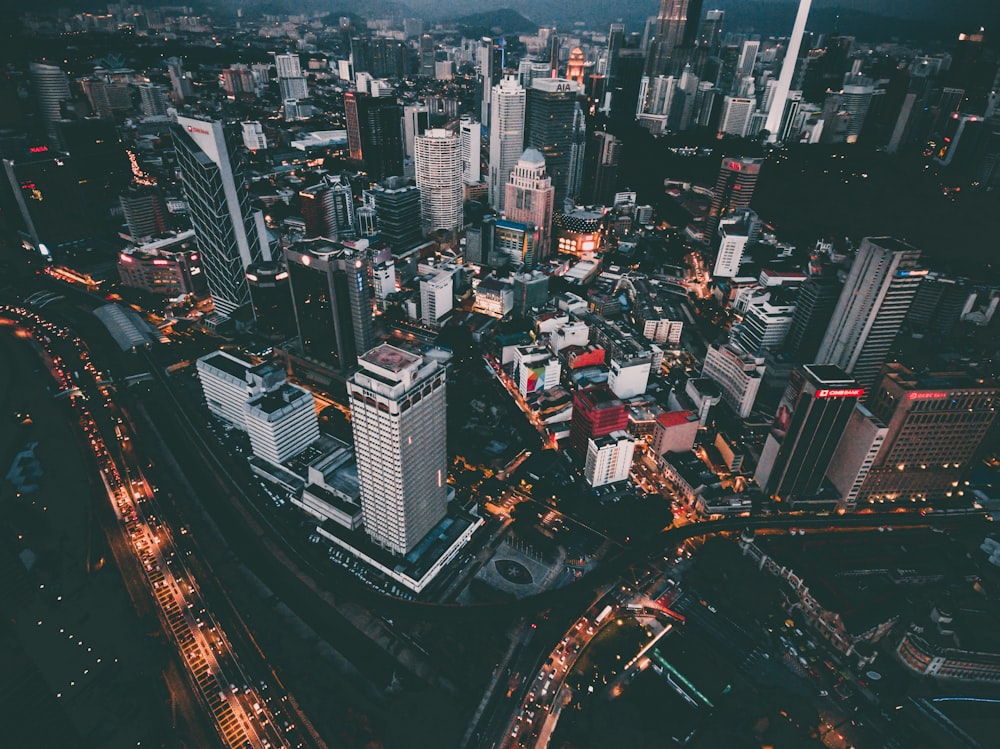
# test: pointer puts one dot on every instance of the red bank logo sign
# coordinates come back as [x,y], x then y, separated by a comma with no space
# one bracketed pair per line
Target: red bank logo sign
[931,396]
[842,393]
[193,129]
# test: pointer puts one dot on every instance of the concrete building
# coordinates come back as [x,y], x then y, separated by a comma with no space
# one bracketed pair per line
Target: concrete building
[855,455]
[398,418]
[506,136]
[529,197]
[733,191]
[223,380]
[734,234]
[628,377]
[537,369]
[675,432]
[436,296]
[736,114]
[737,373]
[776,113]
[596,412]
[168,266]
[281,423]
[437,159]
[609,458]
[470,135]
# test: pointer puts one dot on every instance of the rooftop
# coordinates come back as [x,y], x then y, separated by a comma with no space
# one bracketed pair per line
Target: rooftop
[227,363]
[390,358]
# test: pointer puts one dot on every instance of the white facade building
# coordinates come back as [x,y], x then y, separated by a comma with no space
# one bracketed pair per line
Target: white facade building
[609,458]
[223,380]
[506,135]
[436,296]
[537,369]
[281,423]
[736,114]
[470,134]
[438,164]
[253,136]
[737,373]
[628,378]
[398,418]
[734,235]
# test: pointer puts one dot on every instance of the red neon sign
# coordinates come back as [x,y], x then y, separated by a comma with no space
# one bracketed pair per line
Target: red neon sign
[926,396]
[735,166]
[38,149]
[842,393]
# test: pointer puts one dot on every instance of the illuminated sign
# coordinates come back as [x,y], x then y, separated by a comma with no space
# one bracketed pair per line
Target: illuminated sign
[281,276]
[161,262]
[125,258]
[735,166]
[927,396]
[563,88]
[192,129]
[908,273]
[27,185]
[841,393]
[38,149]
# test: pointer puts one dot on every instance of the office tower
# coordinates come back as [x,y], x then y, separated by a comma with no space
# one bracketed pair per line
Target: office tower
[936,424]
[383,279]
[398,420]
[253,137]
[733,191]
[291,82]
[575,66]
[145,212]
[675,33]
[609,459]
[817,300]
[427,56]
[375,134]
[152,100]
[622,97]
[436,296]
[554,125]
[397,205]
[777,111]
[332,301]
[710,35]
[437,159]
[596,412]
[50,201]
[737,373]
[555,48]
[734,233]
[50,87]
[600,168]
[616,39]
[361,54]
[416,119]
[488,71]
[238,81]
[180,82]
[748,58]
[735,117]
[872,306]
[390,58]
[529,198]
[767,318]
[230,234]
[515,241]
[272,300]
[531,291]
[479,241]
[471,142]
[224,385]
[657,95]
[807,428]
[168,266]
[281,423]
[939,305]
[328,209]
[852,461]
[96,91]
[506,135]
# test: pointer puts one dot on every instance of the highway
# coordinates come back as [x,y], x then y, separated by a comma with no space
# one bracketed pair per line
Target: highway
[246,712]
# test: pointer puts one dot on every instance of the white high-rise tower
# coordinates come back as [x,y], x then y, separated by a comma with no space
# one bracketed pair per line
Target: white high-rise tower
[777,111]
[437,159]
[398,420]
[506,135]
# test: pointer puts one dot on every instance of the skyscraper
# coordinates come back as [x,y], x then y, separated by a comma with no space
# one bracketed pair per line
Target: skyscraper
[936,423]
[398,420]
[471,142]
[375,134]
[872,306]
[328,209]
[438,162]
[397,205]
[145,212]
[554,125]
[777,111]
[813,310]
[529,198]
[807,428]
[733,191]
[50,87]
[230,234]
[676,30]
[600,168]
[506,135]
[332,300]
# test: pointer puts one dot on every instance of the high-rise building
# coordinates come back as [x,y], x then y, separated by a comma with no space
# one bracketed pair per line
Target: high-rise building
[596,412]
[398,420]
[531,291]
[807,428]
[872,306]
[675,33]
[738,374]
[427,56]
[375,134]
[600,168]
[554,125]
[710,36]
[152,100]
[734,234]
[437,160]
[736,114]
[609,458]
[936,424]
[253,136]
[291,82]
[180,81]
[506,135]
[733,191]
[230,234]
[272,300]
[855,455]
[776,114]
[748,58]
[416,119]
[50,87]
[331,296]
[529,198]
[436,296]
[767,318]
[471,142]
[813,310]
[145,212]
[397,205]
[616,39]
[328,209]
